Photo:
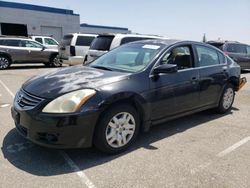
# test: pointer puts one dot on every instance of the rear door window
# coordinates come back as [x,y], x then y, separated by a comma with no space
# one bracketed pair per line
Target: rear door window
[67,40]
[207,56]
[237,48]
[40,40]
[102,43]
[14,43]
[84,40]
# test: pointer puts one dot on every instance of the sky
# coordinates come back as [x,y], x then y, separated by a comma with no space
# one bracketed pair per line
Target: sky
[179,19]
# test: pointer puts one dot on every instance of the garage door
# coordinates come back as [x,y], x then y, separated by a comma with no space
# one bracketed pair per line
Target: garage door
[55,32]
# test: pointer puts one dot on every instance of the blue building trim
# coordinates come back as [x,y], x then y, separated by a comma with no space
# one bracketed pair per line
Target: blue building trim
[103,27]
[37,8]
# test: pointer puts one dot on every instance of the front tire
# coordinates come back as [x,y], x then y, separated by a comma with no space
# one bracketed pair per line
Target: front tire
[4,62]
[117,129]
[226,100]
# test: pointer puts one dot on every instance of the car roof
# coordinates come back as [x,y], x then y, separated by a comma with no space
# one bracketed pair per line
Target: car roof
[82,34]
[223,42]
[120,35]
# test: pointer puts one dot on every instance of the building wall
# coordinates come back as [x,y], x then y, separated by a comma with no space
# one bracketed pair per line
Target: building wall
[35,20]
[100,30]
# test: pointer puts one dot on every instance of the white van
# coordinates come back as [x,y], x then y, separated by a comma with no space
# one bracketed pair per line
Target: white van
[105,42]
[74,47]
[46,41]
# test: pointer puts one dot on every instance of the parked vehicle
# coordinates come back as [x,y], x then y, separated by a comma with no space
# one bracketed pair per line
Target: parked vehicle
[135,86]
[46,41]
[25,50]
[237,51]
[105,42]
[74,48]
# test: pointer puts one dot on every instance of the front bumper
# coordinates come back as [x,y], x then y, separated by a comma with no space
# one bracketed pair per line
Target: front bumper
[56,131]
[74,60]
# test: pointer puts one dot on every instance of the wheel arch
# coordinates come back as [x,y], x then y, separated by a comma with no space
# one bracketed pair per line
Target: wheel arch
[6,55]
[235,81]
[53,55]
[130,98]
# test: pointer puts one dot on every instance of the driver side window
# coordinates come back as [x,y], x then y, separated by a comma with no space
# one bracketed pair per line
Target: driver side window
[180,56]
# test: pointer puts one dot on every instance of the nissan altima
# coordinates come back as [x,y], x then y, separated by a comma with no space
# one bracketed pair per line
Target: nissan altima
[107,102]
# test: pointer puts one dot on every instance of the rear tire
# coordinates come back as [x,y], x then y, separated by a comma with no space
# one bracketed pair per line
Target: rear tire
[226,100]
[54,61]
[4,62]
[117,129]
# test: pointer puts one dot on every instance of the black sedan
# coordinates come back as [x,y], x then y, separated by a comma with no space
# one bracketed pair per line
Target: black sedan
[107,102]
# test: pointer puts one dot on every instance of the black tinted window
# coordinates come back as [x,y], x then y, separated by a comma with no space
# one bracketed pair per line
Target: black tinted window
[67,39]
[12,43]
[84,40]
[102,43]
[207,56]
[39,40]
[2,42]
[132,39]
[237,48]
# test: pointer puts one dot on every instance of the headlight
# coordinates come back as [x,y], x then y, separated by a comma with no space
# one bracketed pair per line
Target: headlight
[70,102]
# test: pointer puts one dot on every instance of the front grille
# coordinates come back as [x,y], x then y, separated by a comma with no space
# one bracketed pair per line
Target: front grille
[26,100]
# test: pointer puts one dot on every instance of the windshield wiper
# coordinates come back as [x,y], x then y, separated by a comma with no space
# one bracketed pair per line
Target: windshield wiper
[101,67]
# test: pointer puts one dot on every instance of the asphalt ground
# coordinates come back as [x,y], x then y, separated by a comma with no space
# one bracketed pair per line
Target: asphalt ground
[200,150]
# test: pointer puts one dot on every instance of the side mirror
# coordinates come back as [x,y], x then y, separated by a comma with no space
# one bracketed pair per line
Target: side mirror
[165,68]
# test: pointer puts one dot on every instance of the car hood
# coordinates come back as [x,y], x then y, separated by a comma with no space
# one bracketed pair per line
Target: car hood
[64,80]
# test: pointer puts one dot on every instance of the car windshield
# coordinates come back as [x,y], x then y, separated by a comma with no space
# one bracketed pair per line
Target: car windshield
[128,58]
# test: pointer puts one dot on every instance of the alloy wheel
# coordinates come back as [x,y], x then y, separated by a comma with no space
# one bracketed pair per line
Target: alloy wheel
[4,63]
[228,98]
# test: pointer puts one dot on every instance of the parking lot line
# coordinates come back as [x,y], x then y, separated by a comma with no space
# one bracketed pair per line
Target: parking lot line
[75,168]
[221,154]
[69,161]
[7,89]
[233,147]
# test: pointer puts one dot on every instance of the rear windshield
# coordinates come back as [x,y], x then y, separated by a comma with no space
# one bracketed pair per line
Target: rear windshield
[236,48]
[84,40]
[132,39]
[67,39]
[102,43]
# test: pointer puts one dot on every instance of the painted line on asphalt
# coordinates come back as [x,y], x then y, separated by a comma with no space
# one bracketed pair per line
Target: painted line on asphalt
[7,89]
[76,169]
[221,154]
[69,161]
[233,147]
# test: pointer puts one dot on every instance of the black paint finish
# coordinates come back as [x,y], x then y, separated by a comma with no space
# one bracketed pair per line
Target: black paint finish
[156,97]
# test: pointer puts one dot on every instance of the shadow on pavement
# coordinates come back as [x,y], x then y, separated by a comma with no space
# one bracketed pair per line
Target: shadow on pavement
[245,71]
[42,161]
